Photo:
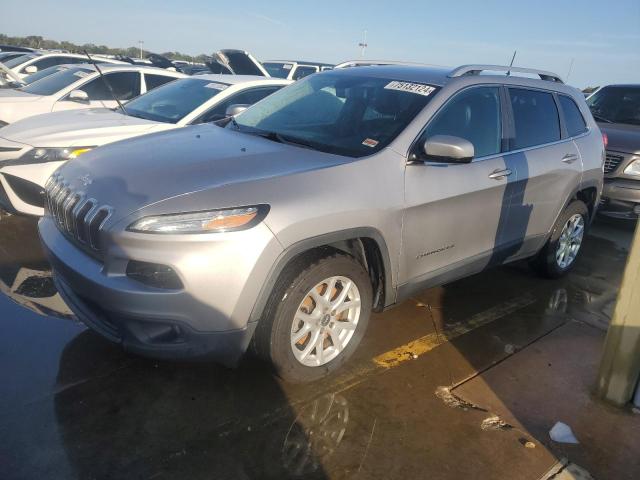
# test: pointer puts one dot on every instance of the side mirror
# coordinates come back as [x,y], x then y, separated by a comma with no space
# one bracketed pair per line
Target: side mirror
[234,110]
[79,96]
[447,148]
[31,69]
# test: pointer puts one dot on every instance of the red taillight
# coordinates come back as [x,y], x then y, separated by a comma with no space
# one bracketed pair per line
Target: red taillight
[605,139]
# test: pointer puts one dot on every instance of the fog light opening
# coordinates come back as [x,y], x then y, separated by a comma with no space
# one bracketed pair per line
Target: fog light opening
[154,275]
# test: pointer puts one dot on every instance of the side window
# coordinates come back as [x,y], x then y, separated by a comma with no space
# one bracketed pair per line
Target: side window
[248,97]
[303,71]
[48,62]
[154,81]
[474,115]
[572,117]
[535,118]
[125,85]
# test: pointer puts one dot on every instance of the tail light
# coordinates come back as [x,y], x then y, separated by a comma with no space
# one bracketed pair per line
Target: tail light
[605,139]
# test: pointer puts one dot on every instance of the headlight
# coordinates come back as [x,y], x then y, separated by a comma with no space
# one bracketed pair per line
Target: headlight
[210,221]
[42,155]
[633,168]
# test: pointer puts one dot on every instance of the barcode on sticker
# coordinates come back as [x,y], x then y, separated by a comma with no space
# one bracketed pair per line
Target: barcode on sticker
[370,142]
[417,88]
[286,66]
[81,74]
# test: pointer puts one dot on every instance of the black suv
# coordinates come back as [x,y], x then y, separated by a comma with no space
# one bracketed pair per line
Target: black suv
[616,108]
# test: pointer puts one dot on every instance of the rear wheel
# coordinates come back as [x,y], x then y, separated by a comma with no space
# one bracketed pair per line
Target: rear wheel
[316,318]
[561,251]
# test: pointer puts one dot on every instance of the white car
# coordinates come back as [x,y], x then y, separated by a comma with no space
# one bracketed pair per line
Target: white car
[80,86]
[34,62]
[294,70]
[32,149]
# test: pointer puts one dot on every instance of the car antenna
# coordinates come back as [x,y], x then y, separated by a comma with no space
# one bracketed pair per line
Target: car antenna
[511,64]
[93,62]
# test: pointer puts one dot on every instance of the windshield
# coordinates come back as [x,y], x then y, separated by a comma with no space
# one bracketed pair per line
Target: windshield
[616,105]
[14,62]
[34,77]
[278,69]
[172,102]
[56,81]
[337,112]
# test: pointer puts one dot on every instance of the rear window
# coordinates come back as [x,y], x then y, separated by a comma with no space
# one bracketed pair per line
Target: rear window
[278,69]
[535,118]
[572,117]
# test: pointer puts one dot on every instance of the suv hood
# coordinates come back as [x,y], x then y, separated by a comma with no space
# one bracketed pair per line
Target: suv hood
[86,127]
[622,138]
[139,172]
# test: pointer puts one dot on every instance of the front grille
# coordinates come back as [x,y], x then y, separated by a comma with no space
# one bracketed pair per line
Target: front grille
[612,161]
[75,215]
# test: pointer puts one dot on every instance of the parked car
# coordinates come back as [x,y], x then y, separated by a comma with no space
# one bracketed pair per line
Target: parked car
[34,77]
[6,56]
[372,63]
[294,70]
[80,86]
[34,62]
[13,48]
[33,148]
[336,196]
[616,108]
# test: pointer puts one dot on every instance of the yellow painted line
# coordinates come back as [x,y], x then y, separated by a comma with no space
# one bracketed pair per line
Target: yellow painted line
[422,345]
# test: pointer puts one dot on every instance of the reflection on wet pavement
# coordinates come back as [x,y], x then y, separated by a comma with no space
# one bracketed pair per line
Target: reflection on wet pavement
[75,406]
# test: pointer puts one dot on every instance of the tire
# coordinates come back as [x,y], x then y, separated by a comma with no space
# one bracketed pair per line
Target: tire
[547,262]
[292,298]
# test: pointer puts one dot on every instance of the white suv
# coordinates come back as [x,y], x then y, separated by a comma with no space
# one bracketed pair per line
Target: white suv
[80,86]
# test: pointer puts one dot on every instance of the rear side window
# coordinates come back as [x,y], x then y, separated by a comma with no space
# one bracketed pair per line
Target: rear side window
[125,85]
[535,116]
[474,115]
[302,72]
[572,117]
[154,81]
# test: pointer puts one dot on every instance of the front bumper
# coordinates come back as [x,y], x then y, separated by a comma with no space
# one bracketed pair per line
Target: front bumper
[620,198]
[161,323]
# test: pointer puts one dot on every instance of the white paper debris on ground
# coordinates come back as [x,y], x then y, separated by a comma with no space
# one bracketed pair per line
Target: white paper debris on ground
[562,433]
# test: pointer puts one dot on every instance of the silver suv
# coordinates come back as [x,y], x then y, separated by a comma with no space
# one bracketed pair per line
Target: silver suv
[339,195]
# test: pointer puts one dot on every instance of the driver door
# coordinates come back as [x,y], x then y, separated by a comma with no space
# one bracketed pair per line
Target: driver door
[125,85]
[456,213]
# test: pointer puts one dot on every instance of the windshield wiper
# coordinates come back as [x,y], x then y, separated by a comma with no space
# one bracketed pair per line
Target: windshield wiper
[601,119]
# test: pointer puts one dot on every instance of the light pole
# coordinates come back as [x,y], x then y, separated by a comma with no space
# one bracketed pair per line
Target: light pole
[363,44]
[141,43]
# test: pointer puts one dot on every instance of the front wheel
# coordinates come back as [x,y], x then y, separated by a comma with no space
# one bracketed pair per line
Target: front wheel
[561,251]
[317,318]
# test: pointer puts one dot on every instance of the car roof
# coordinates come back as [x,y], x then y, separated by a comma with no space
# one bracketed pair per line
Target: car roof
[236,79]
[116,67]
[440,76]
[408,73]
[624,85]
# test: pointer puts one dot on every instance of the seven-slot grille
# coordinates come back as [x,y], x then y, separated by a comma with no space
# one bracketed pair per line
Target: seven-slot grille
[611,162]
[75,215]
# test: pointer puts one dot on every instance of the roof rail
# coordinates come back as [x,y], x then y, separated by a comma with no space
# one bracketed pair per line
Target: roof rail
[477,69]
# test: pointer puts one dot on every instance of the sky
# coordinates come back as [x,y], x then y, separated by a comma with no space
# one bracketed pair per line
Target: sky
[592,42]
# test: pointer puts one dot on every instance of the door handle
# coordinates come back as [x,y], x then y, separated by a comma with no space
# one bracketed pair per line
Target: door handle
[500,174]
[570,158]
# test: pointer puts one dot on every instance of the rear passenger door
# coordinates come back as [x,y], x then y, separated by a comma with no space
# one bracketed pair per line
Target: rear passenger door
[548,165]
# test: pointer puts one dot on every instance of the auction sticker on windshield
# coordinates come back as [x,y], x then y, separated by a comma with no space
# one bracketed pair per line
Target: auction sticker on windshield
[417,88]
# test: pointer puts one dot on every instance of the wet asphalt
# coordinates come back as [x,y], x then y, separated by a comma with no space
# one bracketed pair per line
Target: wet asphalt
[75,406]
